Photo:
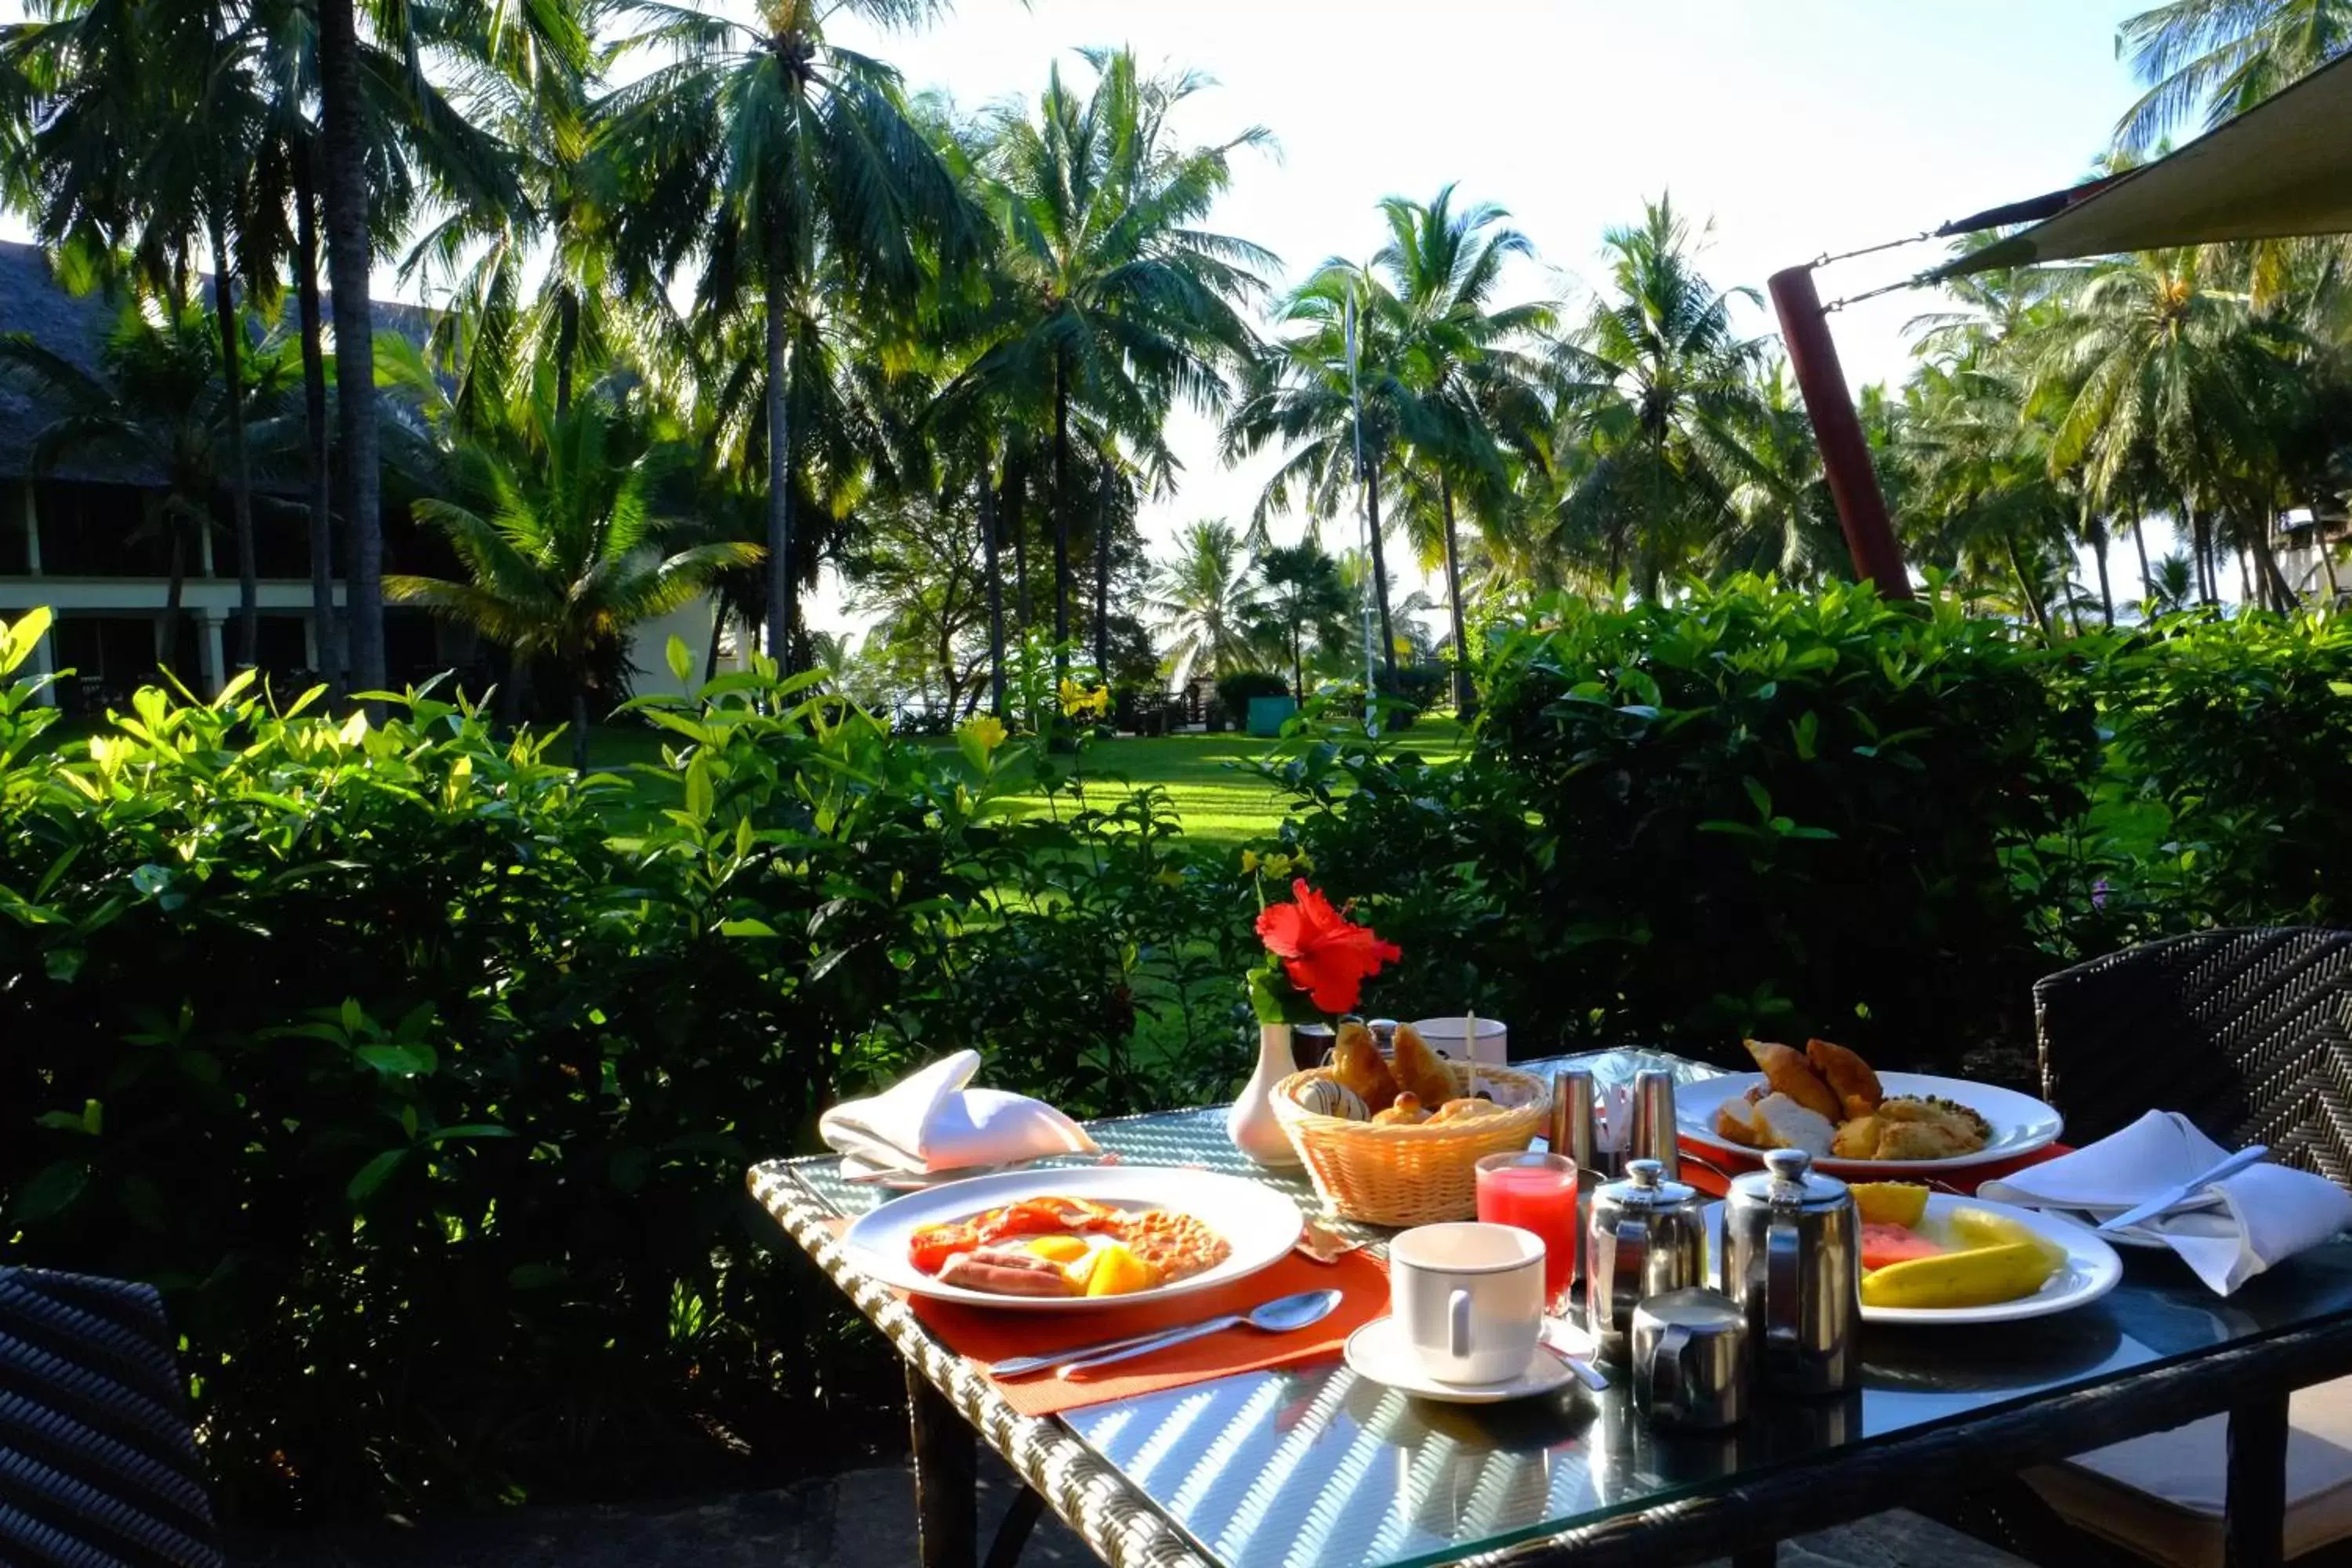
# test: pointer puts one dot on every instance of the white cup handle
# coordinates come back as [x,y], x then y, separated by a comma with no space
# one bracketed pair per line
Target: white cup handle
[1458,1325]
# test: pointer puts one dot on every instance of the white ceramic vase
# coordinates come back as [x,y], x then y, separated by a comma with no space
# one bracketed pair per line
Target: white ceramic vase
[1250,1121]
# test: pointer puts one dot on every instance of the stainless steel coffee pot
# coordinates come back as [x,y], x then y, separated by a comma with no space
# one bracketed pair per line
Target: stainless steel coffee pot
[1793,1259]
[1647,1236]
[1689,1354]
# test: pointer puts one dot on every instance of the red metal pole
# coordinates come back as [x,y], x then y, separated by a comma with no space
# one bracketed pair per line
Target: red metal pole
[1845,455]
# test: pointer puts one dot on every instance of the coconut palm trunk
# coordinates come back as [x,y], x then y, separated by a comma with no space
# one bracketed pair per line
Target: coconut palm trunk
[351,256]
[990,563]
[2097,527]
[579,720]
[314,426]
[2025,584]
[1462,701]
[175,586]
[567,346]
[1380,574]
[1012,494]
[1061,514]
[2139,546]
[780,448]
[1102,588]
[2275,588]
[240,477]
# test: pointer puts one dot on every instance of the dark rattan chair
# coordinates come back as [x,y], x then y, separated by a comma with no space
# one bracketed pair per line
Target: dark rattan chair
[97,1468]
[2247,1032]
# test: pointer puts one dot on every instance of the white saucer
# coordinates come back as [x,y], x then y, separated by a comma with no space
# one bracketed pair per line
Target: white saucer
[1376,1352]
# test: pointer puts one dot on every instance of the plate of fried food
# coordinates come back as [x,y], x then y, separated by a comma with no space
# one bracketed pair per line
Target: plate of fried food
[1855,1120]
[1073,1238]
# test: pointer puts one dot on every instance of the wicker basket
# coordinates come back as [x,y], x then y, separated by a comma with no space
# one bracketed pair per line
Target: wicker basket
[1409,1175]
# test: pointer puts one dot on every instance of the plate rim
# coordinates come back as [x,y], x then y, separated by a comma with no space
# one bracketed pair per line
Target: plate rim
[1830,1165]
[2108,1275]
[899,1275]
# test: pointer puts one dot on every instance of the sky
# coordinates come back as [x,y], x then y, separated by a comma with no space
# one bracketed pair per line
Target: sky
[1793,128]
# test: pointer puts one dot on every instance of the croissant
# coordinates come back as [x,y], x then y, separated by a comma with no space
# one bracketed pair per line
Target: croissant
[1786,1071]
[1849,1077]
[1356,1062]
[1420,1069]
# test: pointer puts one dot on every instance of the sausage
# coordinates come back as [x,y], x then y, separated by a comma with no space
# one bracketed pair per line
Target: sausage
[1004,1271]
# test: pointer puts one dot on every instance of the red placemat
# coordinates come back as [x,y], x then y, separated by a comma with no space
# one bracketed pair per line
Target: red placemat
[981,1335]
[1968,1180]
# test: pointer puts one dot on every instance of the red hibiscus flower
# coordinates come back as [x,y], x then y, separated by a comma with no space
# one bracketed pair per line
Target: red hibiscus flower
[1324,953]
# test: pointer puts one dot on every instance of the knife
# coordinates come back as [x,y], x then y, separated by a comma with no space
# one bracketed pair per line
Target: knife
[2173,1197]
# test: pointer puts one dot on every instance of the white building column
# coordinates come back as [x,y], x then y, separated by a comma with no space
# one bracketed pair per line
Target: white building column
[211,665]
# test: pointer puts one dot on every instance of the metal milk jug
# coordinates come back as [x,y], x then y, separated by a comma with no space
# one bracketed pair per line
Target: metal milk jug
[1793,1259]
[1647,1236]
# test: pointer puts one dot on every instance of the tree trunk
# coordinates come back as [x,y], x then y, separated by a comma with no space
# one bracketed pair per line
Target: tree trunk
[567,346]
[1012,518]
[717,636]
[578,722]
[1463,702]
[1297,665]
[1102,585]
[2147,577]
[1380,574]
[2280,590]
[991,564]
[174,588]
[2097,527]
[2327,557]
[1061,517]
[2025,584]
[314,423]
[780,447]
[2246,584]
[350,257]
[240,477]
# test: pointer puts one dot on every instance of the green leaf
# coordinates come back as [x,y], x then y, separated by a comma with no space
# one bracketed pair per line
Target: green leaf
[746,928]
[373,1174]
[699,795]
[680,661]
[1758,795]
[52,1189]
[399,1060]
[471,1130]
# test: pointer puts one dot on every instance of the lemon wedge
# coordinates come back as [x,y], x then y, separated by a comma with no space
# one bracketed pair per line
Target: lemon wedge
[1979,1278]
[1890,1202]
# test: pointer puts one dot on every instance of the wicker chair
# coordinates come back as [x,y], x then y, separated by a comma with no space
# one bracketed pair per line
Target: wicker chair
[97,1468]
[2249,1033]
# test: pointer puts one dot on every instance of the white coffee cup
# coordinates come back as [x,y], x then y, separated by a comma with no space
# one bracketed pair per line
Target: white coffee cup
[1452,1038]
[1468,1299]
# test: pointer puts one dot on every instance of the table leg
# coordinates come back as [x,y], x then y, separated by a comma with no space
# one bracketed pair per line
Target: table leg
[2254,1529]
[1014,1534]
[947,1527]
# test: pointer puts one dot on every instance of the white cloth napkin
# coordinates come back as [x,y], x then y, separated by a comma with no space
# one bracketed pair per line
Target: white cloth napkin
[2235,1229]
[931,1120]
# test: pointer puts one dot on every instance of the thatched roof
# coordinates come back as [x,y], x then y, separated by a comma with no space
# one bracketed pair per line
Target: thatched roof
[76,327]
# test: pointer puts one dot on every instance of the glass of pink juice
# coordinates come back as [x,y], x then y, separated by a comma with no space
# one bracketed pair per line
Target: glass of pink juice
[1536,1191]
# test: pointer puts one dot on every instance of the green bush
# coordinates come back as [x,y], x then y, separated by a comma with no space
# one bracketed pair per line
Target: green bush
[1754,809]
[1234,690]
[425,1093]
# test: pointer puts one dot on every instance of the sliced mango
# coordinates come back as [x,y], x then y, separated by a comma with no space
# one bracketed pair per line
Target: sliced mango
[1979,1278]
[1974,1229]
[1059,1248]
[1890,1202]
[1116,1271]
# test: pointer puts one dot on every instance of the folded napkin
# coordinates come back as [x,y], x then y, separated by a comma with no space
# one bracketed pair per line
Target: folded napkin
[931,1120]
[2230,1232]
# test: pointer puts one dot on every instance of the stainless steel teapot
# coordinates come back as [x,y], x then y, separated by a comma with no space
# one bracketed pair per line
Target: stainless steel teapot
[1793,1260]
[1647,1236]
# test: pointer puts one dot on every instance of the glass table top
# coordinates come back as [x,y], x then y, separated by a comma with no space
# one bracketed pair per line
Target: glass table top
[1316,1466]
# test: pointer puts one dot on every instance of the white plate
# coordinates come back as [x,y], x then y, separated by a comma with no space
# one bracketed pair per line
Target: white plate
[1378,1352]
[2020,1122]
[2092,1270]
[1258,1223]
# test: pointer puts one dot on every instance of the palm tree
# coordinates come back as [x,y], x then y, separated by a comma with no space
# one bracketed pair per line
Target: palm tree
[1475,387]
[1658,384]
[786,169]
[1306,602]
[1298,392]
[2221,58]
[1203,600]
[156,404]
[564,555]
[1116,302]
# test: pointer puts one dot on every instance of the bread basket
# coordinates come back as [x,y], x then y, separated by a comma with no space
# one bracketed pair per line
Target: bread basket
[1410,1175]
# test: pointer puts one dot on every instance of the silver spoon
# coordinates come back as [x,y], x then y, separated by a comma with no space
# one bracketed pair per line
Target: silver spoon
[1279,1316]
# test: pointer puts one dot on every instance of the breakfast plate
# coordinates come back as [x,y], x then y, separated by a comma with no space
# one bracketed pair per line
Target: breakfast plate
[1256,1225]
[2016,1123]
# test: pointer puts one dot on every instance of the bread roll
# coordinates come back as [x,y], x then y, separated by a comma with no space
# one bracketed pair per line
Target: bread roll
[1357,1063]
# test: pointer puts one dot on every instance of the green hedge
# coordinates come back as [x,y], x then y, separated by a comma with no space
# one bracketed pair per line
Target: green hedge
[426,1095]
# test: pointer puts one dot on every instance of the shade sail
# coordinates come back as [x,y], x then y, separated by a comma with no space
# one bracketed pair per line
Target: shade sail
[2281,169]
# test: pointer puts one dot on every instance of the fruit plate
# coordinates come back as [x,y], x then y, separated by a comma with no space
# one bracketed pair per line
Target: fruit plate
[2091,1271]
[2020,1123]
[1258,1223]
